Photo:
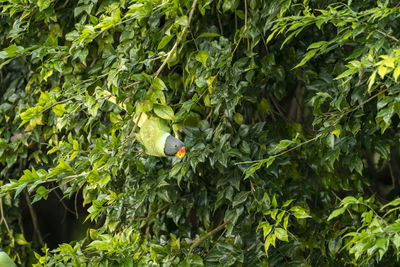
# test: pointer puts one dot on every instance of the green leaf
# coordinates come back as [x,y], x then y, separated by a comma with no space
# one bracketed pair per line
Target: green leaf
[273,213]
[75,145]
[287,203]
[59,110]
[284,144]
[274,203]
[240,198]
[396,73]
[270,160]
[42,191]
[183,21]
[266,227]
[81,54]
[281,234]
[164,112]
[158,84]
[43,4]
[395,202]
[145,106]
[386,113]
[299,212]
[20,239]
[164,41]
[195,261]
[336,213]
[309,55]
[230,5]
[116,118]
[202,57]
[371,80]
[175,170]
[382,70]
[285,222]
[346,73]
[316,45]
[396,240]
[253,168]
[208,34]
[264,106]
[349,200]
[271,238]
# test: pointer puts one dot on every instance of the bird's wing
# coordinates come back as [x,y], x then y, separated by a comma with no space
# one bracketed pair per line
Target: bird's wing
[152,135]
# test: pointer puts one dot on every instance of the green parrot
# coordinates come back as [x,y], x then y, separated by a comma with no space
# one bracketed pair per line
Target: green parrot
[155,136]
[5,260]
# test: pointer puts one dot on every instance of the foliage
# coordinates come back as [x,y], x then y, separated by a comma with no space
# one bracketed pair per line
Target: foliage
[288,109]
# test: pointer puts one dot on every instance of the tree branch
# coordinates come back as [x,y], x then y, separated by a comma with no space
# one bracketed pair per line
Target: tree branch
[197,242]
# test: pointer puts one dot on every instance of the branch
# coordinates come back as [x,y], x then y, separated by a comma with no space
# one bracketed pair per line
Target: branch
[180,37]
[283,152]
[360,105]
[2,218]
[62,203]
[34,219]
[197,242]
[388,35]
[71,177]
[76,201]
[245,23]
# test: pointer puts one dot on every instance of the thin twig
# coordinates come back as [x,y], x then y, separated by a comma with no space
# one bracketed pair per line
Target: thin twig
[76,201]
[245,23]
[340,200]
[62,203]
[360,105]
[197,242]
[219,23]
[391,175]
[155,213]
[34,219]
[132,133]
[3,219]
[178,40]
[74,175]
[216,241]
[388,35]
[148,226]
[132,84]
[283,152]
[64,5]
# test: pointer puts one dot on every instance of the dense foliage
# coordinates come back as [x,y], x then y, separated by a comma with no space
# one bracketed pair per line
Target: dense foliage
[289,111]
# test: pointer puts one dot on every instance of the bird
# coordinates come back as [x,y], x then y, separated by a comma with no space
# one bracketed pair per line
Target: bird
[154,135]
[5,260]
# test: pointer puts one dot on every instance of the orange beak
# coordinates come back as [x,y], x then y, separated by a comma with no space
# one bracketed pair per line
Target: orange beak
[181,153]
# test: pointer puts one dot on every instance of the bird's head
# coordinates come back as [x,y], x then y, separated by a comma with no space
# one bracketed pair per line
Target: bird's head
[174,147]
[181,153]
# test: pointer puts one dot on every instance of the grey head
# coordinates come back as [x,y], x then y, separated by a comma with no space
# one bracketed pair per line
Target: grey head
[172,145]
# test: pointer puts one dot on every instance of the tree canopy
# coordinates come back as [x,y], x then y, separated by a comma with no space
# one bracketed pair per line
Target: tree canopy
[289,111]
